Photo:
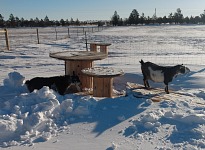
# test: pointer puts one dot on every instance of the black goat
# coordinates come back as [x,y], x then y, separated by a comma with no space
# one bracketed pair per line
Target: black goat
[58,83]
[158,73]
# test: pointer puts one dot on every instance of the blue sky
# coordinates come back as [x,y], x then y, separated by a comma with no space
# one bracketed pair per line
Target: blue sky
[96,9]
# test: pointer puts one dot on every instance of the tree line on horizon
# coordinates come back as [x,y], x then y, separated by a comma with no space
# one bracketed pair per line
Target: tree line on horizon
[13,22]
[134,19]
[173,18]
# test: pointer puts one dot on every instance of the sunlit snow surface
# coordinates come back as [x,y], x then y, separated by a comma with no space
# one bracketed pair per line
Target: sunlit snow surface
[44,119]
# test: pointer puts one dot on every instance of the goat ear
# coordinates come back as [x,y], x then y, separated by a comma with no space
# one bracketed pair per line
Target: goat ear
[142,62]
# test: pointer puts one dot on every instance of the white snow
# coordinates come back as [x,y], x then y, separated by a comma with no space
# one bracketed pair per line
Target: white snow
[44,119]
[103,71]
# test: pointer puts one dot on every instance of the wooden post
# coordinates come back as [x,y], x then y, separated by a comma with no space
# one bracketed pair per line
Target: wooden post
[7,39]
[68,33]
[86,41]
[103,48]
[56,34]
[37,36]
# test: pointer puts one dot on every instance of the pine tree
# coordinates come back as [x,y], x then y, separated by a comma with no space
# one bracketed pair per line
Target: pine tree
[77,22]
[131,19]
[178,16]
[142,19]
[115,19]
[203,17]
[1,21]
[71,21]
[11,21]
[17,22]
[62,22]
[67,23]
[135,15]
[170,18]
[46,21]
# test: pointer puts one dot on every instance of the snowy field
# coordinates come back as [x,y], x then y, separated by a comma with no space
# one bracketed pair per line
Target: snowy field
[44,119]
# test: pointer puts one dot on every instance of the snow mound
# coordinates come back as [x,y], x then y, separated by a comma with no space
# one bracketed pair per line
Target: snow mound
[15,80]
[186,127]
[29,118]
[32,117]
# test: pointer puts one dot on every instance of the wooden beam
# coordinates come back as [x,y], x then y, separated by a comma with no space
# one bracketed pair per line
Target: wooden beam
[2,31]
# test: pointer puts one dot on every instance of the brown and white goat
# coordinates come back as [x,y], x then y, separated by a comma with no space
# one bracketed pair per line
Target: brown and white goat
[158,73]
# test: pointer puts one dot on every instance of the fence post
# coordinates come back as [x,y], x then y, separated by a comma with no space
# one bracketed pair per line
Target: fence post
[86,41]
[7,39]
[56,34]
[68,33]
[37,35]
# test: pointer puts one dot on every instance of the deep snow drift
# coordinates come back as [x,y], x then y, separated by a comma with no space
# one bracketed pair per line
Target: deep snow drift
[44,119]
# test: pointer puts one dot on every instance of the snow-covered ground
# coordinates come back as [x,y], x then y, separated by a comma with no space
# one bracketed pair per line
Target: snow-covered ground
[46,120]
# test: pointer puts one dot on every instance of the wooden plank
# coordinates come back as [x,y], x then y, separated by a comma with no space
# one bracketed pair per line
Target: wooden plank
[103,49]
[70,67]
[102,87]
[87,81]
[108,89]
[97,87]
[93,47]
[79,73]
[77,66]
[67,67]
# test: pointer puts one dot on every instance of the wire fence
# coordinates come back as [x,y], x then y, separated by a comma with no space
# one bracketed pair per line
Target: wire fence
[25,36]
[162,44]
[167,45]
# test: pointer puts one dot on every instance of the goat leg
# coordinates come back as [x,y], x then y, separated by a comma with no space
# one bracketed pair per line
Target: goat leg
[166,89]
[147,84]
[144,82]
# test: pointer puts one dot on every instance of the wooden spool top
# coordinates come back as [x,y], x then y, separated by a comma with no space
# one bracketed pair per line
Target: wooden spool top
[99,43]
[103,72]
[78,55]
